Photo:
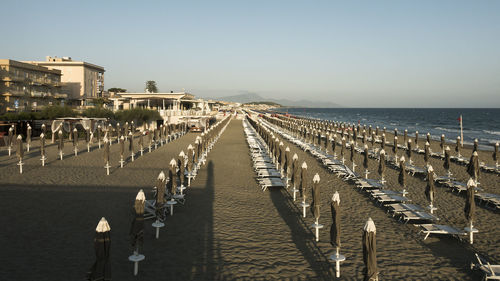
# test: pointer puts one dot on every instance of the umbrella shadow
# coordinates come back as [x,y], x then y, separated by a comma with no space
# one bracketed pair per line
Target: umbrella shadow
[302,235]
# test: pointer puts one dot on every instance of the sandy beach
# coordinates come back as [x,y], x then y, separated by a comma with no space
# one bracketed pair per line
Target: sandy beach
[228,229]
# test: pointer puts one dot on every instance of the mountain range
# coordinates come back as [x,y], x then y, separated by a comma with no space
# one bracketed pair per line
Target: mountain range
[253,97]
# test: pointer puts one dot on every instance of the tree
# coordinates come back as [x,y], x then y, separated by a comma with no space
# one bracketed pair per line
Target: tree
[151,86]
[117,90]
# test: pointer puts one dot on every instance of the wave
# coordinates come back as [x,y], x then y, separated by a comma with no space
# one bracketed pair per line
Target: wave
[492,132]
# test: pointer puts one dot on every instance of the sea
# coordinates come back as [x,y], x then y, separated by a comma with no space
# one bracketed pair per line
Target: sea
[478,123]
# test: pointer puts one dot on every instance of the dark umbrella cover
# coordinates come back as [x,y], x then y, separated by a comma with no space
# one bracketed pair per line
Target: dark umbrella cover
[101,269]
[136,232]
[106,150]
[381,163]
[416,139]
[42,144]
[335,228]
[470,204]
[457,146]
[402,173]
[160,194]
[408,151]
[446,163]
[303,181]
[495,152]
[351,157]
[316,203]
[20,148]
[430,190]
[365,157]
[473,166]
[476,145]
[172,174]
[427,153]
[370,271]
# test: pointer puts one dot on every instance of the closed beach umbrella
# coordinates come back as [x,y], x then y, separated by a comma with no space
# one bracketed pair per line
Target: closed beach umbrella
[10,138]
[370,271]
[315,206]
[384,130]
[20,148]
[342,149]
[446,163]
[427,153]
[364,137]
[402,172]
[190,150]
[75,137]
[373,139]
[172,174]
[181,162]
[430,190]
[370,130]
[442,143]
[334,143]
[408,151]
[303,181]
[335,228]
[160,195]
[395,149]
[122,146]
[99,131]
[28,137]
[351,157]
[295,170]
[60,143]
[287,161]
[365,157]
[495,153]
[87,136]
[137,227]
[101,269]
[428,137]
[44,129]
[106,150]
[476,145]
[131,142]
[381,164]
[416,139]
[376,131]
[470,204]
[42,145]
[457,146]
[354,137]
[118,131]
[395,132]
[473,166]
[382,144]
[405,136]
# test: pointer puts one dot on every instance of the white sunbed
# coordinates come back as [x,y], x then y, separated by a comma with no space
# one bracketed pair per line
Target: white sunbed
[491,272]
[270,182]
[407,216]
[387,199]
[429,229]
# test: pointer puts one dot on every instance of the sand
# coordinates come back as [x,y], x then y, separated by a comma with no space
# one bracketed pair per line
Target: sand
[228,229]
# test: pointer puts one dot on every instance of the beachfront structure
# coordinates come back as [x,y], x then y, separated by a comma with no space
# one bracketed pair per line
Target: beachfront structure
[25,86]
[171,106]
[82,81]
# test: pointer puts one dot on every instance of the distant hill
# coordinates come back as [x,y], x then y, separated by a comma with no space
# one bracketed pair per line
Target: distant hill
[270,103]
[251,97]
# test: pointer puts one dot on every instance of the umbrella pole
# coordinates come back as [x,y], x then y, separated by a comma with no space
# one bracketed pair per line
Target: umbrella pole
[149,147]
[304,206]
[317,226]
[121,161]
[99,144]
[353,167]
[61,154]
[43,160]
[471,231]
[76,151]
[136,258]
[132,157]
[20,166]
[141,150]
[88,147]
[189,179]
[366,173]
[28,147]
[158,224]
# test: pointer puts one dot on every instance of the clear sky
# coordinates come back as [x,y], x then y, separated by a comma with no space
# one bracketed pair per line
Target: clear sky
[354,53]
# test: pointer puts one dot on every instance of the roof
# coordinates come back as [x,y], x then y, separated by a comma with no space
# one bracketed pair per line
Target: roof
[67,63]
[29,66]
[180,95]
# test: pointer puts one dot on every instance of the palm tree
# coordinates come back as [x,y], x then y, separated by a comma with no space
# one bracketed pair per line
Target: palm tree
[151,86]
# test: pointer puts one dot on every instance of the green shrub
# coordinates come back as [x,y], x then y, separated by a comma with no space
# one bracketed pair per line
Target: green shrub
[98,112]
[138,115]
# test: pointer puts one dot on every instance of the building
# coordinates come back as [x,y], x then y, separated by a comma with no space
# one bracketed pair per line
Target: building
[24,86]
[171,106]
[82,81]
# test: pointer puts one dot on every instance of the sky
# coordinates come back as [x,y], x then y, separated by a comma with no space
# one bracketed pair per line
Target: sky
[353,53]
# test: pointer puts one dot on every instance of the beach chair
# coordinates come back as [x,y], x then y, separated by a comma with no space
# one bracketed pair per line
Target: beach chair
[429,229]
[414,170]
[407,216]
[266,183]
[268,173]
[391,198]
[491,272]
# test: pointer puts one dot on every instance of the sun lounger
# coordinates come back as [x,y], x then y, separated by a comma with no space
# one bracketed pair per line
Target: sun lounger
[414,170]
[363,183]
[407,216]
[459,160]
[268,173]
[429,229]
[489,199]
[397,208]
[387,199]
[491,272]
[270,182]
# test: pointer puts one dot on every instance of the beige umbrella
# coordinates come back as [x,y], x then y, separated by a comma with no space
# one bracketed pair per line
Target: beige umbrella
[101,269]
[335,232]
[316,204]
[136,232]
[430,190]
[122,150]
[107,143]
[75,141]
[42,148]
[303,187]
[20,152]
[60,144]
[28,138]
[470,209]
[370,251]
[131,145]
[381,165]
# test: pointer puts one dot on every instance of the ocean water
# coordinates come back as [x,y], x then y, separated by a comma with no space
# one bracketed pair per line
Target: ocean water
[483,124]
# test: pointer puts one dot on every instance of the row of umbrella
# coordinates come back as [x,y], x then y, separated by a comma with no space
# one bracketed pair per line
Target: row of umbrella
[430,193]
[298,176]
[101,269]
